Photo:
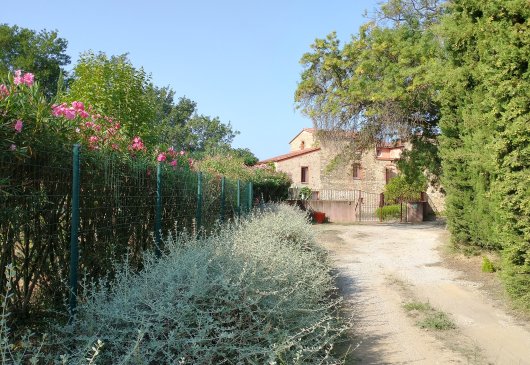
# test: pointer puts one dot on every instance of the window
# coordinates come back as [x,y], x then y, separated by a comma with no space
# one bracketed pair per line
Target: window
[390,173]
[357,171]
[304,178]
[302,145]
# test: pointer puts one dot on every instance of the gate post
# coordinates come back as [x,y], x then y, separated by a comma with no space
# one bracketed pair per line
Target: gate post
[198,211]
[222,218]
[381,205]
[158,211]
[74,232]
[238,195]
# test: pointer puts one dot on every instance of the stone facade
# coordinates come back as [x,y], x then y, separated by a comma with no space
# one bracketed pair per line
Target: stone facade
[368,172]
[304,139]
[293,167]
[371,175]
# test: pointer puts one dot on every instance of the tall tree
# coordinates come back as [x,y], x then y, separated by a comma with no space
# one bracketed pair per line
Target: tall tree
[379,85]
[485,144]
[42,54]
[118,89]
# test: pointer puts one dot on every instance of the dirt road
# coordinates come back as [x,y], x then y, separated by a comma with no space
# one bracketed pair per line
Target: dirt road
[382,267]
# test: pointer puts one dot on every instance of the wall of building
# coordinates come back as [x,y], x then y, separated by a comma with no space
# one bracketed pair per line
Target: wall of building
[338,175]
[308,139]
[293,167]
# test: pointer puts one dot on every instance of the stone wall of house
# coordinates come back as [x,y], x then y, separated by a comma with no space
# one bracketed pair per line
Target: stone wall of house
[293,167]
[305,139]
[436,198]
[338,175]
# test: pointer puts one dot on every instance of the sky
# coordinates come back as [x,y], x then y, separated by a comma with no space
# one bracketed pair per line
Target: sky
[238,60]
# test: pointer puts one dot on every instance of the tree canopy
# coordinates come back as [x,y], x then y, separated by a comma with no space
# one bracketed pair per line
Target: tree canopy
[452,77]
[42,53]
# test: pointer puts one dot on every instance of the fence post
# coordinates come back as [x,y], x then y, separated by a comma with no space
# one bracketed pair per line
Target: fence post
[222,218]
[198,211]
[238,200]
[74,231]
[381,205]
[250,197]
[158,211]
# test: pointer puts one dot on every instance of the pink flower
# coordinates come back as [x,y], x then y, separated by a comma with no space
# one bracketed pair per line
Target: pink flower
[182,153]
[13,147]
[4,91]
[83,114]
[77,105]
[89,124]
[115,146]
[93,139]
[173,163]
[137,144]
[18,126]
[18,77]
[69,113]
[28,79]
[161,157]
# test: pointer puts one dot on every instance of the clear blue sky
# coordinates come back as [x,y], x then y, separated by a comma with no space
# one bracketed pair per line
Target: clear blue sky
[238,60]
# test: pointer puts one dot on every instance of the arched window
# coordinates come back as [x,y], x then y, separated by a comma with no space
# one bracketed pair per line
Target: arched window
[302,145]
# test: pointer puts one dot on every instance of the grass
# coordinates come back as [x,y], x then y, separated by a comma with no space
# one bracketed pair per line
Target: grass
[429,318]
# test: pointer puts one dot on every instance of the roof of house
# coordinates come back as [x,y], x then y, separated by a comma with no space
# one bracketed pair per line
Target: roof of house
[310,130]
[290,155]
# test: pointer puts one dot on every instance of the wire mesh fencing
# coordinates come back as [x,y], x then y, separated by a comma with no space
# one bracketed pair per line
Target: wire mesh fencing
[122,208]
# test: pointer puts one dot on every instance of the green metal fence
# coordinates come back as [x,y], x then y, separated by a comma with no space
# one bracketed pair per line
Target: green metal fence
[65,208]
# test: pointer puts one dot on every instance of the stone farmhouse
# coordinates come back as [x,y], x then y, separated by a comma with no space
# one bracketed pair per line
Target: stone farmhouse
[310,160]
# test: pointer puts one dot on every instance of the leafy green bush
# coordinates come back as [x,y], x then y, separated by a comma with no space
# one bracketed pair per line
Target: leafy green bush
[258,293]
[487,265]
[389,211]
[401,189]
[269,184]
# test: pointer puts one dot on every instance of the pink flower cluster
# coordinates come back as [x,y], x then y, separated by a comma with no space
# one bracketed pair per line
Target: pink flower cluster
[137,144]
[170,154]
[27,79]
[4,91]
[77,108]
[18,126]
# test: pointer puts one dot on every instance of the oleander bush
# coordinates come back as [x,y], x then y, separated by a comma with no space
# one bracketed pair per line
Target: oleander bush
[257,292]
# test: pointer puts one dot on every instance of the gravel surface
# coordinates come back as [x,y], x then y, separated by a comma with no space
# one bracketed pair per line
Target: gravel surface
[383,266]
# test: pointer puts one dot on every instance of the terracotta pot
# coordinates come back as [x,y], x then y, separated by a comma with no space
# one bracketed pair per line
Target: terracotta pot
[319,217]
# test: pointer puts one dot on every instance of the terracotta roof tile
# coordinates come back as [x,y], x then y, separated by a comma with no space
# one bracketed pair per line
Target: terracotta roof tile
[290,155]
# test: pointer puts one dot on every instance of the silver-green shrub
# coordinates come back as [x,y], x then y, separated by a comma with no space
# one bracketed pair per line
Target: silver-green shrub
[258,292]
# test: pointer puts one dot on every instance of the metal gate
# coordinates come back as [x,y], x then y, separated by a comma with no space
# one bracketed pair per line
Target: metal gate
[365,205]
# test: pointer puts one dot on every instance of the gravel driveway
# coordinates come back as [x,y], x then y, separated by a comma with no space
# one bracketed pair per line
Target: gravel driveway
[383,266]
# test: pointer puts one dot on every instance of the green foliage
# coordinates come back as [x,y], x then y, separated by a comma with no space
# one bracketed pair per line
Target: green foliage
[305,193]
[377,85]
[487,265]
[437,321]
[485,135]
[42,54]
[249,159]
[389,212]
[429,318]
[417,306]
[399,189]
[116,88]
[256,293]
[268,184]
